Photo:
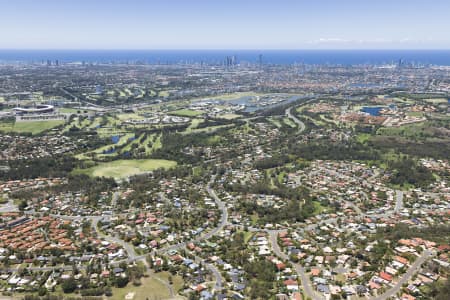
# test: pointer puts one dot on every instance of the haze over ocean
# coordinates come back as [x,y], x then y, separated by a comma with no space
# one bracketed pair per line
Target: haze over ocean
[317,57]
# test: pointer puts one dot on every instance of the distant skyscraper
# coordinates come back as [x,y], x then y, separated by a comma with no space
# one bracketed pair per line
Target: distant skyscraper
[99,90]
[56,62]
[260,60]
[49,62]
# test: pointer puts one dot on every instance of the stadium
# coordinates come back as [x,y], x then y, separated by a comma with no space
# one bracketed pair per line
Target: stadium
[38,109]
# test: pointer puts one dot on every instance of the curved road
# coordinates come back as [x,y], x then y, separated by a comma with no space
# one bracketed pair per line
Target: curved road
[406,277]
[301,125]
[306,283]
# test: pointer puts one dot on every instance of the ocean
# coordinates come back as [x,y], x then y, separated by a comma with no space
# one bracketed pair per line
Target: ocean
[284,57]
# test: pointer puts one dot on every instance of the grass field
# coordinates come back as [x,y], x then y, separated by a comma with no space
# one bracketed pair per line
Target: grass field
[415,113]
[164,94]
[123,168]
[34,127]
[127,116]
[66,110]
[410,130]
[436,100]
[229,116]
[186,113]
[150,288]
[177,281]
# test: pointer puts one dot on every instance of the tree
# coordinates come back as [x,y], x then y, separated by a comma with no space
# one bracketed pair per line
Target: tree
[69,285]
[121,281]
[22,205]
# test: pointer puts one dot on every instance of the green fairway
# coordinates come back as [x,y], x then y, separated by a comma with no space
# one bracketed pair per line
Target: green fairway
[275,122]
[289,122]
[186,113]
[194,124]
[209,129]
[34,127]
[124,168]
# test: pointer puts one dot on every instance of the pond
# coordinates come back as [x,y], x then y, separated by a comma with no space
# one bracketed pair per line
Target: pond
[372,110]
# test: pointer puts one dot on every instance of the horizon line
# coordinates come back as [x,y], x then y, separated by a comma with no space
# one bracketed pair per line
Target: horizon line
[224,49]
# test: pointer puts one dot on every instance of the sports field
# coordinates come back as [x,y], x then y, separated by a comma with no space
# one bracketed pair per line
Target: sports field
[34,127]
[186,113]
[123,168]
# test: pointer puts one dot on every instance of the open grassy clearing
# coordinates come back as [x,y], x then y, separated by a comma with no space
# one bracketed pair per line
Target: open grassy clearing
[123,168]
[150,288]
[186,113]
[177,281]
[436,100]
[66,110]
[415,114]
[410,130]
[127,116]
[229,116]
[33,127]
[163,94]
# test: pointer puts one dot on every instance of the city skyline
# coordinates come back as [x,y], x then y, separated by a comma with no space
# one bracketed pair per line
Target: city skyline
[235,24]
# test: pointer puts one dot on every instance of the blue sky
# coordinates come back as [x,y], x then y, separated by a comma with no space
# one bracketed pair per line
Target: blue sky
[224,24]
